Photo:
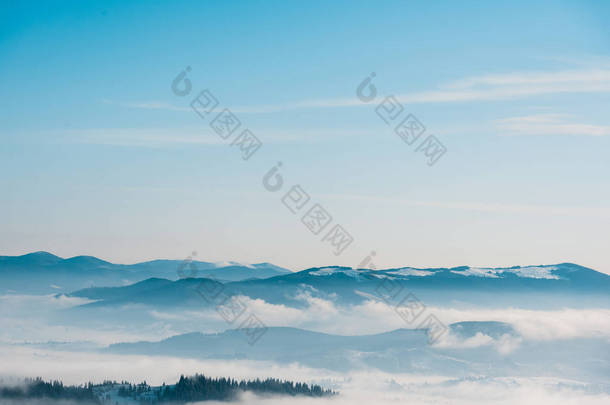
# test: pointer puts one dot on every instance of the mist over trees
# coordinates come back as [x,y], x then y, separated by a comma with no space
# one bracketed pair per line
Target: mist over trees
[187,389]
[56,390]
[201,388]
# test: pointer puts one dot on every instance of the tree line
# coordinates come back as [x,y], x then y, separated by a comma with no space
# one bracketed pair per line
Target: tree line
[202,388]
[37,388]
[187,389]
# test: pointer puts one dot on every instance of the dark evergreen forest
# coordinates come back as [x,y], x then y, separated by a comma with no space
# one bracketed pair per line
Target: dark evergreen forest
[187,389]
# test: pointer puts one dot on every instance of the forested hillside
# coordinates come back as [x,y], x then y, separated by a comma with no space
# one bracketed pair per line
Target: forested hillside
[187,389]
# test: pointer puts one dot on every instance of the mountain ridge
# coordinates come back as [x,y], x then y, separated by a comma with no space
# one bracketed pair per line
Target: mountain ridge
[44,272]
[537,286]
[470,348]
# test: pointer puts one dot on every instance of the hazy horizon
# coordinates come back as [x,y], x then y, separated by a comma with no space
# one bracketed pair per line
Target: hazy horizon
[118,166]
[372,259]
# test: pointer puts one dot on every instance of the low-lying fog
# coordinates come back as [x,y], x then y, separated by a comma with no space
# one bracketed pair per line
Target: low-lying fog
[29,323]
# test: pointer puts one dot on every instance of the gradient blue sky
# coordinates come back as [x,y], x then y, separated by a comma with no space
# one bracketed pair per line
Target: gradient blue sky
[99,157]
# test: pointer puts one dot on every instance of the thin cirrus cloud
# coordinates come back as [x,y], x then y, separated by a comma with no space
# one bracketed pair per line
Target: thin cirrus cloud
[548,124]
[147,105]
[189,136]
[515,85]
[493,207]
[137,137]
[477,88]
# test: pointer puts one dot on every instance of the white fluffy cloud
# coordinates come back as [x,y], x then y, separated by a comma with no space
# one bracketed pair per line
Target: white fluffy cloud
[376,317]
[42,318]
[33,319]
[26,317]
[373,316]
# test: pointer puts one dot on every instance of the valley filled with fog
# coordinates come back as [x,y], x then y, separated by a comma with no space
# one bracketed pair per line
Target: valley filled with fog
[387,336]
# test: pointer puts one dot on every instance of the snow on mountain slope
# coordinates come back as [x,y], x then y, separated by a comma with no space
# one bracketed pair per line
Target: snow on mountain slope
[409,271]
[539,272]
[532,272]
[327,271]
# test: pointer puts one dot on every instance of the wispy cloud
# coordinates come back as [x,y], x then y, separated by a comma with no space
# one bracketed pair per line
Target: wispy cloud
[514,208]
[548,124]
[180,136]
[148,105]
[581,78]
[476,88]
[514,85]
[148,137]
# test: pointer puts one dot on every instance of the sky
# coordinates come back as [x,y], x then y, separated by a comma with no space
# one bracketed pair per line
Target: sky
[101,157]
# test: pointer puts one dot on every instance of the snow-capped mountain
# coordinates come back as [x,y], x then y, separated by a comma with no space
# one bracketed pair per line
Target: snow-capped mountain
[43,272]
[534,286]
[564,271]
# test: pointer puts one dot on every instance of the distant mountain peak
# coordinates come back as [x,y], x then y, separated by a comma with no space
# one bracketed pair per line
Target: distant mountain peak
[83,271]
[40,258]
[42,253]
[87,260]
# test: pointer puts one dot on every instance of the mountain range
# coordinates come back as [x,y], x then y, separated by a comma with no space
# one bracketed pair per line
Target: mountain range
[43,272]
[161,298]
[162,283]
[401,350]
[552,286]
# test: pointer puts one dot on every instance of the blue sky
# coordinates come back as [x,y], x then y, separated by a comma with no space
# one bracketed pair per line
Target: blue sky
[100,157]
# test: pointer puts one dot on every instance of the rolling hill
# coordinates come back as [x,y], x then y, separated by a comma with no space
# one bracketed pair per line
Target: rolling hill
[43,272]
[553,286]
